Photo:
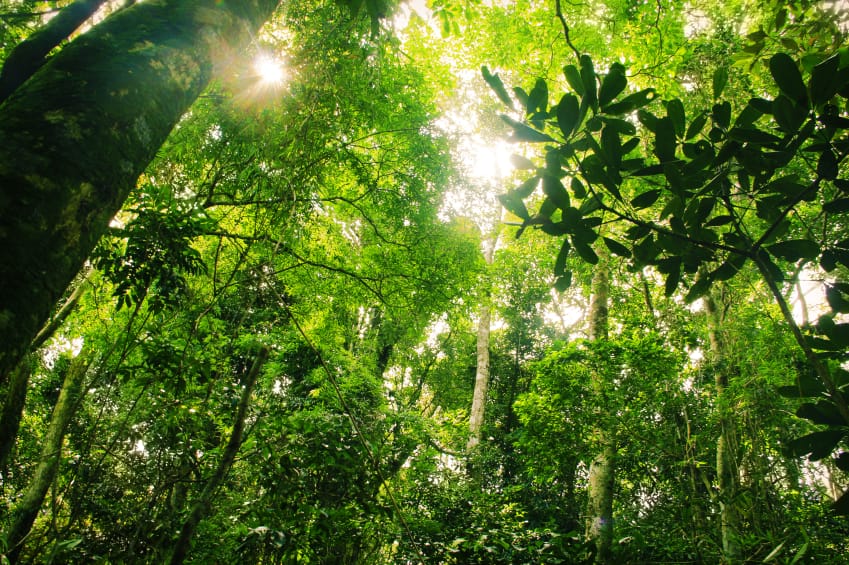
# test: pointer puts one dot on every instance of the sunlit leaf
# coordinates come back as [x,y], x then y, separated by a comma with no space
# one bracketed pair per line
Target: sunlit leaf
[494,82]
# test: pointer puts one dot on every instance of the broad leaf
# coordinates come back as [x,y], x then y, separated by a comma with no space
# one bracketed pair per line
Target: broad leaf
[795,249]
[646,199]
[720,79]
[614,83]
[787,76]
[568,114]
[617,248]
[818,444]
[494,82]
[522,132]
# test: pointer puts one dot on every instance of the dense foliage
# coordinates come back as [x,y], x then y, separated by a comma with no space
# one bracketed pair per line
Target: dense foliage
[318,331]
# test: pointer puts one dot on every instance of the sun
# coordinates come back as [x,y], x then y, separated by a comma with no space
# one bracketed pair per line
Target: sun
[269,70]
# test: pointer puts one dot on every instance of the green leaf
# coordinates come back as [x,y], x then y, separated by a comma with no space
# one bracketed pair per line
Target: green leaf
[836,300]
[823,412]
[673,279]
[786,74]
[789,115]
[828,166]
[538,98]
[729,268]
[794,249]
[614,83]
[521,163]
[699,289]
[696,126]
[578,188]
[721,114]
[825,80]
[837,206]
[573,77]
[586,252]
[562,256]
[630,103]
[588,77]
[646,199]
[841,505]
[753,136]
[554,189]
[720,79]
[617,248]
[675,112]
[818,444]
[568,114]
[527,188]
[563,282]
[514,205]
[522,132]
[494,82]
[665,143]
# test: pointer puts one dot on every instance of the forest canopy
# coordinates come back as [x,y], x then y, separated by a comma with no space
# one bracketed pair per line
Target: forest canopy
[442,281]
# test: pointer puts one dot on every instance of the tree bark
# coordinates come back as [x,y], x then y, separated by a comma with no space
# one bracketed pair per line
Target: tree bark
[203,504]
[13,407]
[599,526]
[726,465]
[75,137]
[478,411]
[30,54]
[24,514]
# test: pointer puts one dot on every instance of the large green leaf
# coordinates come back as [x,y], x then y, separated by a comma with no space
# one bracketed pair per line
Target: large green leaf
[554,189]
[664,141]
[494,82]
[523,132]
[675,112]
[630,103]
[786,74]
[646,199]
[617,248]
[614,82]
[825,80]
[562,256]
[823,412]
[795,249]
[573,77]
[588,78]
[720,79]
[818,444]
[568,114]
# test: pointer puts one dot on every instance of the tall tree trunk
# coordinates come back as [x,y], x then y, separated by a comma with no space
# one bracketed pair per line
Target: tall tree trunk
[203,504]
[726,466]
[75,137]
[25,512]
[30,54]
[478,412]
[599,528]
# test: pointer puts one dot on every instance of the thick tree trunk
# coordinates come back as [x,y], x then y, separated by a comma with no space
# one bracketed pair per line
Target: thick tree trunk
[203,504]
[75,137]
[30,54]
[726,467]
[478,412]
[599,528]
[24,514]
[13,407]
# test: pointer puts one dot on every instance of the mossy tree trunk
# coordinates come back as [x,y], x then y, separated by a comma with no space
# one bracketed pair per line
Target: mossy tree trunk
[25,512]
[75,137]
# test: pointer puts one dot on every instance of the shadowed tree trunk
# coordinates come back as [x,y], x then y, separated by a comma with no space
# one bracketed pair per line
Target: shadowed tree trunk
[602,468]
[75,137]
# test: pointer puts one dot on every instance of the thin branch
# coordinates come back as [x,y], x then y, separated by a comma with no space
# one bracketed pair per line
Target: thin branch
[566,29]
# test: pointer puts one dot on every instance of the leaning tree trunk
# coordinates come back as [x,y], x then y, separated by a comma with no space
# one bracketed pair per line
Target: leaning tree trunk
[30,54]
[726,467]
[603,466]
[75,137]
[25,512]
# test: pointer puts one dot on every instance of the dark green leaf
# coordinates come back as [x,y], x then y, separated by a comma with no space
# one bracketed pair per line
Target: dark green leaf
[673,279]
[494,82]
[522,132]
[588,77]
[753,136]
[514,204]
[630,103]
[786,74]
[578,188]
[818,444]
[721,114]
[789,115]
[720,79]
[568,114]
[837,206]
[617,248]
[538,98]
[729,268]
[719,221]
[563,282]
[554,189]
[823,412]
[827,167]
[836,300]
[586,252]
[665,143]
[825,80]
[646,199]
[699,289]
[613,83]
[527,188]
[841,505]
[696,126]
[795,249]
[573,77]
[675,112]
[562,256]
[842,461]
